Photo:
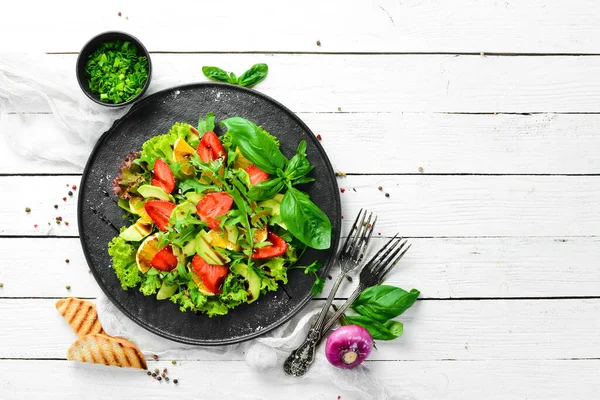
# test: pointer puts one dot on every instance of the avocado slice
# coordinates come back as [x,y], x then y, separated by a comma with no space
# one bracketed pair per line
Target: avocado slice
[181,210]
[204,249]
[274,205]
[137,231]
[194,197]
[190,248]
[166,291]
[251,276]
[155,191]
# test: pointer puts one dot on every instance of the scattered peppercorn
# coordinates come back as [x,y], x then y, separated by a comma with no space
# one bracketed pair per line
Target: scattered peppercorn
[158,378]
[318,43]
[354,189]
[387,195]
[49,223]
[1,284]
[420,169]
[67,185]
[163,374]
[379,233]
[119,13]
[167,378]
[154,374]
[27,209]
[64,199]
[173,362]
[349,278]
[35,225]
[175,381]
[70,193]
[68,287]
[319,137]
[59,218]
[67,261]
[164,370]
[149,373]
[339,108]
[342,217]
[342,190]
[74,187]
[380,188]
[340,174]
[329,277]
[56,206]
[155,359]
[156,369]
[67,223]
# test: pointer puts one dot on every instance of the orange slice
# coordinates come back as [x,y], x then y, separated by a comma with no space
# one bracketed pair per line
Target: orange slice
[136,204]
[146,253]
[181,153]
[240,160]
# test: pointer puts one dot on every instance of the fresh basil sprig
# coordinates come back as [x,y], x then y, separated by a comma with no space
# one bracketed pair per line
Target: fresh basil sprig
[378,305]
[256,74]
[302,217]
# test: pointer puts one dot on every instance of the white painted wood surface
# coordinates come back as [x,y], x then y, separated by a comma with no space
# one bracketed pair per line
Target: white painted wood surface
[503,216]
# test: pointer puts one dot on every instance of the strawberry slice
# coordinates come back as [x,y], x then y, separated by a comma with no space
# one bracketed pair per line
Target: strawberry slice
[256,174]
[214,205]
[210,147]
[278,247]
[164,260]
[160,212]
[163,176]
[212,275]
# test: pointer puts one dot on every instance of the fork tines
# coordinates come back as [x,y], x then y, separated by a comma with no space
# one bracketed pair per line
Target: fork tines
[359,236]
[388,256]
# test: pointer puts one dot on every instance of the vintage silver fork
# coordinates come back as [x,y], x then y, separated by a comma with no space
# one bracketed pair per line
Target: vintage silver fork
[372,274]
[349,258]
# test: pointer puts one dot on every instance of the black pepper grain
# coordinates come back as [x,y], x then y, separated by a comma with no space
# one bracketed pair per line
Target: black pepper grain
[318,43]
[154,374]
[380,188]
[159,378]
[149,373]
[56,206]
[387,195]
[67,261]
[70,193]
[175,381]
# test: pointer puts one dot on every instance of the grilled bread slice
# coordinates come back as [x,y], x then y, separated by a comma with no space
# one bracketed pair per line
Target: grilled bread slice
[81,315]
[102,349]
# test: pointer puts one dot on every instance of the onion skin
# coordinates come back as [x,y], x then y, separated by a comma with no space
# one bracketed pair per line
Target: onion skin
[348,346]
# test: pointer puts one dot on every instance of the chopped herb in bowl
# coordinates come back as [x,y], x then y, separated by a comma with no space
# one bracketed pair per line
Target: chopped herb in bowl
[116,71]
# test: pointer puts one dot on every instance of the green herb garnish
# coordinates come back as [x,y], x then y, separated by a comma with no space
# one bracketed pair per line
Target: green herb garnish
[257,73]
[116,72]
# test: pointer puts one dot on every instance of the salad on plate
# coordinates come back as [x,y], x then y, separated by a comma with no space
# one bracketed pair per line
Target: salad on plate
[215,221]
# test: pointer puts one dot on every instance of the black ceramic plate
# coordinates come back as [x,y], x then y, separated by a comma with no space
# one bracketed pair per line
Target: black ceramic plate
[100,217]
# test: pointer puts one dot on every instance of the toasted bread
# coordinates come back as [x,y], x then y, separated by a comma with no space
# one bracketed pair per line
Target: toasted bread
[81,315]
[102,349]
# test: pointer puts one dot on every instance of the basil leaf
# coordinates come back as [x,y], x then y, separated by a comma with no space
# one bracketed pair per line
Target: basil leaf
[266,190]
[256,74]
[303,180]
[206,125]
[215,74]
[384,302]
[299,165]
[232,78]
[305,220]
[256,144]
[379,331]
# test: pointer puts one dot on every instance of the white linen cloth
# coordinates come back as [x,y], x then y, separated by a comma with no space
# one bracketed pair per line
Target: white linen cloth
[44,84]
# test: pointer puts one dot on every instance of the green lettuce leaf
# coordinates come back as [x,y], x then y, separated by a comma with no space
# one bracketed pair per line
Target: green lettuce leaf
[160,146]
[123,262]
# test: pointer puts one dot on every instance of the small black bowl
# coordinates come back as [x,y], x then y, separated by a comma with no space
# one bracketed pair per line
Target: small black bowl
[91,46]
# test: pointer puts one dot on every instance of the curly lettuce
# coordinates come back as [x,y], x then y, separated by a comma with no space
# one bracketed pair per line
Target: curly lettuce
[123,261]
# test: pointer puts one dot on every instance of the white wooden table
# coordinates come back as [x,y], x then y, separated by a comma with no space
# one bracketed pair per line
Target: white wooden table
[479,118]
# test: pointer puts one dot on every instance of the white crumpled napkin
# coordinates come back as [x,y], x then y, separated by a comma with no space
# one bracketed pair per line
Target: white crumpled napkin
[34,84]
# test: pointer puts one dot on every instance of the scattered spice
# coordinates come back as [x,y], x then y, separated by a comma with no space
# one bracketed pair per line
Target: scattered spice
[379,233]
[342,190]
[35,225]
[67,185]
[329,277]
[339,108]
[163,374]
[175,381]
[158,378]
[74,187]
[70,193]
[380,188]
[340,174]
[342,217]
[1,284]
[64,199]
[149,373]
[67,261]
[155,359]
[354,189]
[420,169]
[387,195]
[349,278]
[68,287]
[119,13]
[56,206]
[156,369]
[173,362]
[167,378]
[49,223]
[154,374]
[67,223]
[164,371]
[27,209]
[318,43]
[319,137]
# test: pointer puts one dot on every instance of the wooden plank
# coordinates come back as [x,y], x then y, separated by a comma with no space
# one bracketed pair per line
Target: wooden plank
[439,268]
[433,330]
[438,143]
[386,26]
[442,380]
[417,205]
[393,83]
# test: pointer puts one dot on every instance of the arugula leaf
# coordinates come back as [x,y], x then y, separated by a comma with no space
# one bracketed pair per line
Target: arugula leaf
[256,144]
[384,302]
[388,330]
[206,125]
[192,184]
[305,220]
[257,73]
[217,74]
[266,189]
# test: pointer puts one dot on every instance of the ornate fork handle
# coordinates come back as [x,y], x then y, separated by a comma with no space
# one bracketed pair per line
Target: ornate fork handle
[299,361]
